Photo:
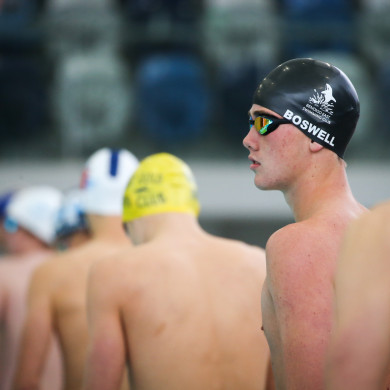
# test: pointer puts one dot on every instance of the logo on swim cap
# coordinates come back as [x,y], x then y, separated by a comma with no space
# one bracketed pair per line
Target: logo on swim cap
[321,104]
[324,100]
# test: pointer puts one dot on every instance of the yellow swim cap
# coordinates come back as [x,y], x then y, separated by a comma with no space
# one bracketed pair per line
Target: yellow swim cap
[162,184]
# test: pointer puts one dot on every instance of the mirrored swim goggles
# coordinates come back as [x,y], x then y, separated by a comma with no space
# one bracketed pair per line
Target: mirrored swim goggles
[266,124]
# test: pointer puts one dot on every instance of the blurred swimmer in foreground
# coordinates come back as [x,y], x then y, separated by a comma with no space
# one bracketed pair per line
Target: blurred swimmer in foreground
[359,353]
[29,234]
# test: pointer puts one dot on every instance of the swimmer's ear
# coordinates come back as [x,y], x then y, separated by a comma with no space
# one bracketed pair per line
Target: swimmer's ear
[315,147]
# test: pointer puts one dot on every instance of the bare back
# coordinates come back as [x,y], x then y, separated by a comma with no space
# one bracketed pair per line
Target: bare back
[361,330]
[69,306]
[298,294]
[59,286]
[190,309]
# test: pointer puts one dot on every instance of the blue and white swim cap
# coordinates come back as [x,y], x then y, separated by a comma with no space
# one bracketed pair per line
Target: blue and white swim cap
[35,209]
[104,181]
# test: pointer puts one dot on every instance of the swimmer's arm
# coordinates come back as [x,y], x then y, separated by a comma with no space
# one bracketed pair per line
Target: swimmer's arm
[106,351]
[300,292]
[362,308]
[36,334]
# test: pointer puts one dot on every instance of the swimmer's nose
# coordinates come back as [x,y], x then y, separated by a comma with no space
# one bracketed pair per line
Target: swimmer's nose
[250,141]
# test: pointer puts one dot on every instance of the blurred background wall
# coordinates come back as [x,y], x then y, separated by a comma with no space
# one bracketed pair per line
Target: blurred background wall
[178,76]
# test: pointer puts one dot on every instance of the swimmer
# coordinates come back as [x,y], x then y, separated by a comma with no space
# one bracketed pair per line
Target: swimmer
[28,226]
[71,226]
[296,142]
[359,353]
[182,308]
[57,296]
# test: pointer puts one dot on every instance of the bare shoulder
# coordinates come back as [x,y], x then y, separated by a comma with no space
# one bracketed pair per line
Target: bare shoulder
[366,246]
[123,265]
[55,264]
[382,208]
[236,246]
[68,264]
[115,278]
[293,239]
[368,235]
[300,273]
[301,251]
[378,218]
[109,265]
[129,262]
[254,252]
[46,275]
[235,256]
[9,266]
[254,255]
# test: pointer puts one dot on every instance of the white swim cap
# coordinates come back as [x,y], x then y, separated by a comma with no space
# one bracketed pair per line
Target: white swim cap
[35,210]
[71,216]
[104,181]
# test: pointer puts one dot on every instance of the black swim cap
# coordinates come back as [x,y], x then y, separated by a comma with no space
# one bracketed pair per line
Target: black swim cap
[316,97]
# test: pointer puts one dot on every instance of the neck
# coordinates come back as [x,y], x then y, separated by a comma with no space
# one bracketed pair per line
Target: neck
[318,189]
[78,238]
[108,228]
[168,225]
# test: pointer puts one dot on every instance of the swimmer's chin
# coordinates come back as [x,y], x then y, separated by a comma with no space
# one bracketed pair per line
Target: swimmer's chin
[265,186]
[254,166]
